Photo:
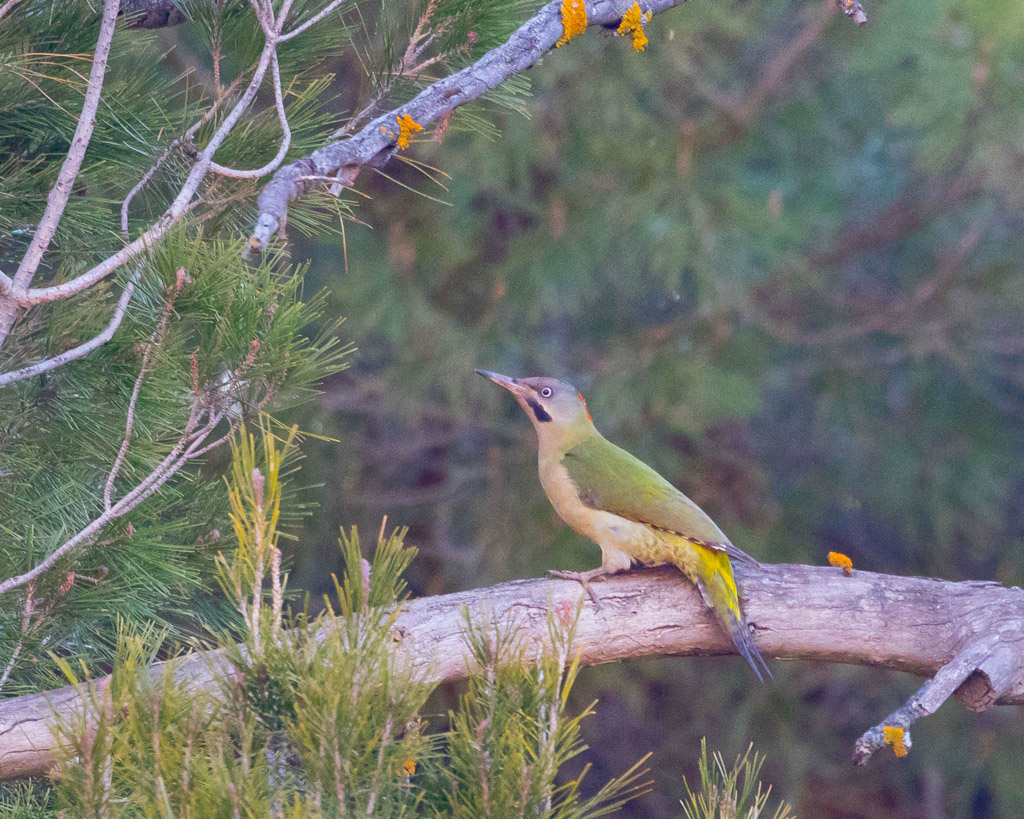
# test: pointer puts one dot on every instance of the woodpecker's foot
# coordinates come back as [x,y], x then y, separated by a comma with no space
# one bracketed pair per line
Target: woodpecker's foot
[584,578]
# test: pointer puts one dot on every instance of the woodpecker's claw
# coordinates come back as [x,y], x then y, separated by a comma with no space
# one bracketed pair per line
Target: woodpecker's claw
[583,578]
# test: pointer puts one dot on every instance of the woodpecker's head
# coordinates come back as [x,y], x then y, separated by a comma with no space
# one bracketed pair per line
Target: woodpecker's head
[550,403]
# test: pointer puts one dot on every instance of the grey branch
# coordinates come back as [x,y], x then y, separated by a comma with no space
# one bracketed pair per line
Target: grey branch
[374,145]
[967,637]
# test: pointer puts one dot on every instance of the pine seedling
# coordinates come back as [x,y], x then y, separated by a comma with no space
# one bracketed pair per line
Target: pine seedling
[149,745]
[512,734]
[730,792]
[357,730]
[323,719]
[255,497]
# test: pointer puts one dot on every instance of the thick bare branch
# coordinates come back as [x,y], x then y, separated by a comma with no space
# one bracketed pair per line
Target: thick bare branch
[911,624]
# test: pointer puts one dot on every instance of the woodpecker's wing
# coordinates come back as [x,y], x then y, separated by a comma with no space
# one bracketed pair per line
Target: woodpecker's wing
[608,478]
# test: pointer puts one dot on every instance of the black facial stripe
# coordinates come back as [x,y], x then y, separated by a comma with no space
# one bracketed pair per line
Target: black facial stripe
[538,410]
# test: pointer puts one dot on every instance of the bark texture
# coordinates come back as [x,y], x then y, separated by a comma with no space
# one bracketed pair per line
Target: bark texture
[968,636]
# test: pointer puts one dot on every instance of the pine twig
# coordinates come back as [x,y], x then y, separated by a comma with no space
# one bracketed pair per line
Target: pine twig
[57,199]
[83,349]
[312,21]
[26,621]
[154,341]
[184,139]
[286,138]
[272,33]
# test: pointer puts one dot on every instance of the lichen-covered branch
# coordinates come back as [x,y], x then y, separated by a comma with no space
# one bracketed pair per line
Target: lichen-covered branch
[972,663]
[969,637]
[377,140]
[152,14]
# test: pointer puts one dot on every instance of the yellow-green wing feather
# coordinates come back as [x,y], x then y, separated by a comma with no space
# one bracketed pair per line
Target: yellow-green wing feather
[609,478]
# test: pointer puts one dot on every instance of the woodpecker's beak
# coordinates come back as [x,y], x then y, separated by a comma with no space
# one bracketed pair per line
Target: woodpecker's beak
[522,392]
[510,384]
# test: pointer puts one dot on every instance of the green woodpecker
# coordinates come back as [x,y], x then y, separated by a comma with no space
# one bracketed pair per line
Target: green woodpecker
[627,508]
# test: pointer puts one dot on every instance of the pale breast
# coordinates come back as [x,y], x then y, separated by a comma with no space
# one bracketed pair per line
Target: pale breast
[612,533]
[559,488]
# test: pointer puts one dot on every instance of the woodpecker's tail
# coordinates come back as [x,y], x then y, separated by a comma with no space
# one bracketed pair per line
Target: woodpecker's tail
[718,587]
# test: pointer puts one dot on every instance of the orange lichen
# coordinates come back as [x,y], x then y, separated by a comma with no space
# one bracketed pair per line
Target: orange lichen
[633,24]
[574,21]
[895,736]
[841,561]
[407,126]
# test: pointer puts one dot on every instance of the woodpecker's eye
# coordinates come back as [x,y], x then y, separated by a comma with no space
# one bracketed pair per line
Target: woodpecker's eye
[546,392]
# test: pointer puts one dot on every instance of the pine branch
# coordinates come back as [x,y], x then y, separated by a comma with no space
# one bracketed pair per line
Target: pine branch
[83,349]
[967,636]
[178,208]
[58,197]
[16,294]
[376,143]
[212,403]
[206,413]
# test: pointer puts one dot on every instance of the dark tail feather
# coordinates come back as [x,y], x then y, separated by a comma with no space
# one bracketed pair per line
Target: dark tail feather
[718,588]
[744,642]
